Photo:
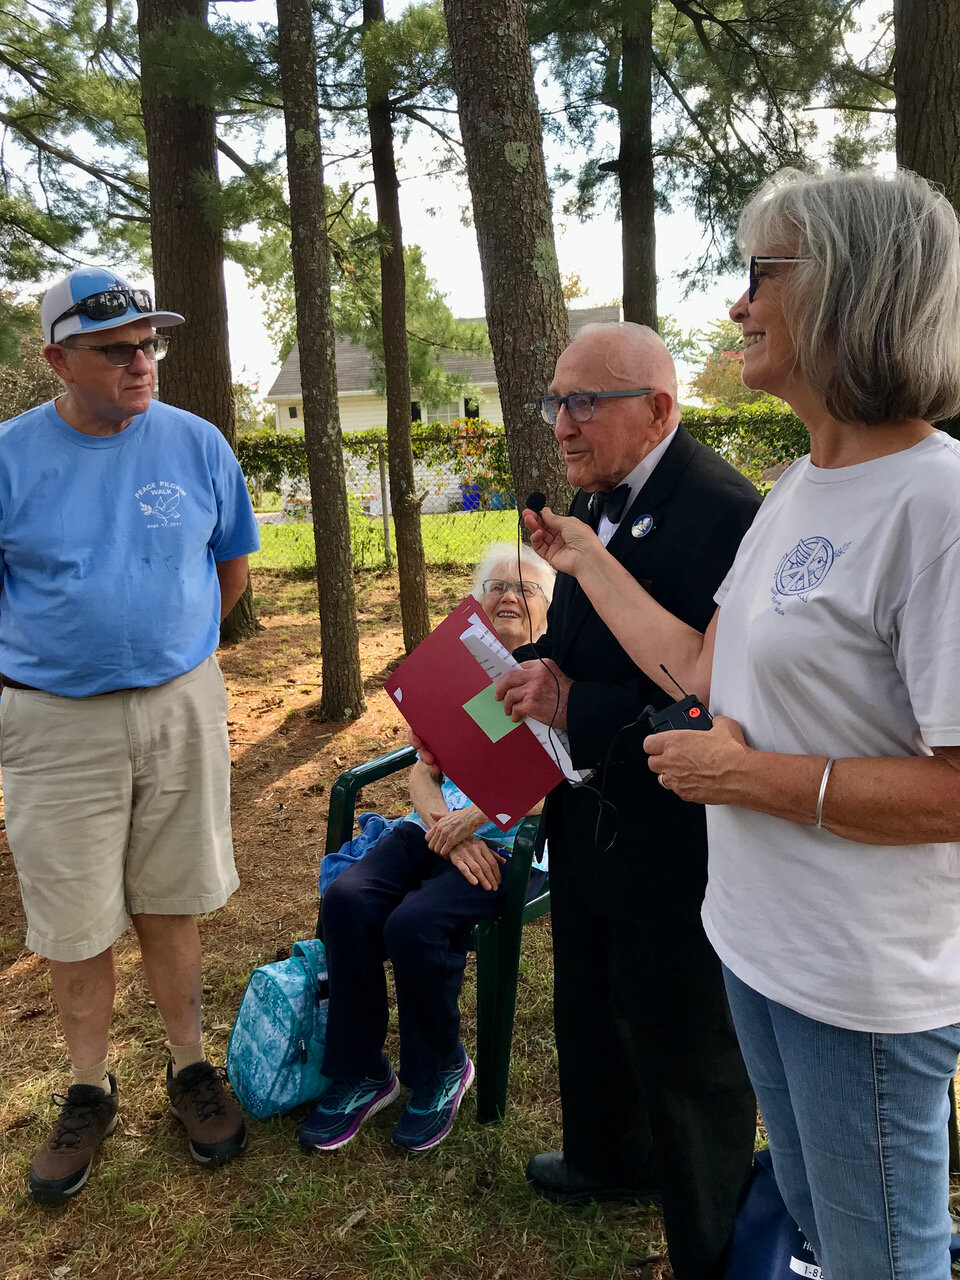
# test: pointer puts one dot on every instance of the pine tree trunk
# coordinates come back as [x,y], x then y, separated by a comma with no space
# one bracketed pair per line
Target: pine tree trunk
[342,690]
[926,81]
[927,84]
[635,165]
[188,250]
[503,143]
[411,562]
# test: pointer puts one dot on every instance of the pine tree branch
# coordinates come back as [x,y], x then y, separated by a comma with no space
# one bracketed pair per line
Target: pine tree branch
[413,114]
[852,106]
[110,181]
[691,114]
[18,69]
[699,16]
[873,78]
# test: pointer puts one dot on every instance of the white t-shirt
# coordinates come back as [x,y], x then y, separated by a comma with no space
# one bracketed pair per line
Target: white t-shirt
[839,635]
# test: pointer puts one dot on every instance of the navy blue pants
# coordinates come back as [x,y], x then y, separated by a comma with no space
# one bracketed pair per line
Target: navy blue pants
[403,903]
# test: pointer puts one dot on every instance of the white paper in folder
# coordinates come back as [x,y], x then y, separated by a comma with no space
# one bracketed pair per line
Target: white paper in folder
[497,661]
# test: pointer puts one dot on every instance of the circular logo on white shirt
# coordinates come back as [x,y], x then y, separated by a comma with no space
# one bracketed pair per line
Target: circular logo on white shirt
[805,567]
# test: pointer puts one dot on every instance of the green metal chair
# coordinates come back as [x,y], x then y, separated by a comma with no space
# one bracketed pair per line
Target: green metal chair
[496,942]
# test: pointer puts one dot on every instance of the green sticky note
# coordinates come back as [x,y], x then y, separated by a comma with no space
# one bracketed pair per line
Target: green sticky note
[490,715]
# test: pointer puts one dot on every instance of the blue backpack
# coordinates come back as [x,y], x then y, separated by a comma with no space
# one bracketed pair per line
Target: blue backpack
[276,1045]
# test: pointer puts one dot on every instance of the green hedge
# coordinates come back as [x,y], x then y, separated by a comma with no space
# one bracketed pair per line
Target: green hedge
[752,437]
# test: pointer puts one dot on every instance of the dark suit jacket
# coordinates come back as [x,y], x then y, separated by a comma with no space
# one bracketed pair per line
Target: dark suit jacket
[700,507]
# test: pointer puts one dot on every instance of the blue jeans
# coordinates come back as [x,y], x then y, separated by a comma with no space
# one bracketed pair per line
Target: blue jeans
[857,1123]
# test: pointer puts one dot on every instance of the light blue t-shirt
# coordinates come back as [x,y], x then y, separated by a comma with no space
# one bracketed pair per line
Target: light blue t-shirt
[109,545]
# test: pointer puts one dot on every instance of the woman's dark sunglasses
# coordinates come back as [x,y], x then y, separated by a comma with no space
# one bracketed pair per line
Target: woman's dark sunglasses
[579,404]
[107,305]
[756,277]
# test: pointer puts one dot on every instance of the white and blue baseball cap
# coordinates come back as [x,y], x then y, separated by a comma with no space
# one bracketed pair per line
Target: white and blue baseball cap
[93,298]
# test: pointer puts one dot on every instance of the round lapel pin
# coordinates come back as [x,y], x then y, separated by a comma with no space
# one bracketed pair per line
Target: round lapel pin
[641,526]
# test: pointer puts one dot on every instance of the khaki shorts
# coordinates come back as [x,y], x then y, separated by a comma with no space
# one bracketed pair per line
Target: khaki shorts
[117,805]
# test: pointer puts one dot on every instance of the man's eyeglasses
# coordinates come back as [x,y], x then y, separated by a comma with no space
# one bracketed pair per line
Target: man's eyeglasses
[579,404]
[123,353]
[497,587]
[107,305]
[756,276]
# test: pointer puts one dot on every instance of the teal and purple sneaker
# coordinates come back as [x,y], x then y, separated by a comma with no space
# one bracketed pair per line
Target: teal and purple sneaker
[342,1108]
[429,1115]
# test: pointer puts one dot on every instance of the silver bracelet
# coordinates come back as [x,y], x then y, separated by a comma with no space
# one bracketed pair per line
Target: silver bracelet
[823,791]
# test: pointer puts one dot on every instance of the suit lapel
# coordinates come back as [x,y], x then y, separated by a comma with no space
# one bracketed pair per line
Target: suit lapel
[652,500]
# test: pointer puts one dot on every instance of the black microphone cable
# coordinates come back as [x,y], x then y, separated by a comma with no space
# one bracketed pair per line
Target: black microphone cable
[536,502]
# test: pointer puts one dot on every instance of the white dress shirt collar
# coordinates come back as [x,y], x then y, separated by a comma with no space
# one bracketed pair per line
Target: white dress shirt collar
[636,479]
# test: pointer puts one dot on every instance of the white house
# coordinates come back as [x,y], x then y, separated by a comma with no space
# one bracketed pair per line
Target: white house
[360,407]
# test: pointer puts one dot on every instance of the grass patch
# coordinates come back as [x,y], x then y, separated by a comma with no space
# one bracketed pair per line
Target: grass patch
[270,500]
[454,538]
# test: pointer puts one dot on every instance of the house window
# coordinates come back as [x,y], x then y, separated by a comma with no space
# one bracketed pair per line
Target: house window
[415,414]
[292,411]
[471,409]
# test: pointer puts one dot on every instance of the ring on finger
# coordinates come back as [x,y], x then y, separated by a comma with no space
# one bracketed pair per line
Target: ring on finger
[663,782]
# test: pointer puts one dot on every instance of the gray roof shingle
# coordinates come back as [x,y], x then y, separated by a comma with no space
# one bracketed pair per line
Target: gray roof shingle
[354,363]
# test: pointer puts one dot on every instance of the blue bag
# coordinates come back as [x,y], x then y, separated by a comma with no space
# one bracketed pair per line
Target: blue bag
[276,1045]
[767,1244]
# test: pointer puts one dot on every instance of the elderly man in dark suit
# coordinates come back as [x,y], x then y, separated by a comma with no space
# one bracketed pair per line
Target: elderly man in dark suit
[656,1102]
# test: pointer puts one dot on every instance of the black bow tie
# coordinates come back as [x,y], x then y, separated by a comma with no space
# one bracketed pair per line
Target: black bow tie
[612,505]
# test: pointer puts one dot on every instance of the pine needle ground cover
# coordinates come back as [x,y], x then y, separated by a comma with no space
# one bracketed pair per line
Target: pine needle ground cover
[463,1213]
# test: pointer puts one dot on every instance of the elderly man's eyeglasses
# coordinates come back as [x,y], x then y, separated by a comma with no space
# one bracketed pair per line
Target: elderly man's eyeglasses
[579,404]
[497,587]
[108,305]
[756,275]
[123,353]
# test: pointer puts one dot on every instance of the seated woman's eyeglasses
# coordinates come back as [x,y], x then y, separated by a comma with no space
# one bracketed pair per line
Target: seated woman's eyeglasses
[579,404]
[497,586]
[123,353]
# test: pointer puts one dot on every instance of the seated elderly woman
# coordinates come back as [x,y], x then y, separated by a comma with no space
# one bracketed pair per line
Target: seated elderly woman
[413,899]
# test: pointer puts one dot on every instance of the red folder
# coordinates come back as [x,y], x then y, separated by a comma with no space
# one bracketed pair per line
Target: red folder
[505,779]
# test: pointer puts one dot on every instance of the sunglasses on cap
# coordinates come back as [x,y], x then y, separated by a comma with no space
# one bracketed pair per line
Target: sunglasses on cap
[107,305]
[756,276]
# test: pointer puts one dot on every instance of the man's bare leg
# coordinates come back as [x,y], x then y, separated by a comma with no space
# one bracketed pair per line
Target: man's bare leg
[84,991]
[170,946]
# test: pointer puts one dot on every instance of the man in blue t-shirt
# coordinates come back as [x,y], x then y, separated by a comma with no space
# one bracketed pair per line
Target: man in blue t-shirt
[125,527]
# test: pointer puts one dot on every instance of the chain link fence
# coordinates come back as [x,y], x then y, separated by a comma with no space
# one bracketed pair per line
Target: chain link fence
[461,476]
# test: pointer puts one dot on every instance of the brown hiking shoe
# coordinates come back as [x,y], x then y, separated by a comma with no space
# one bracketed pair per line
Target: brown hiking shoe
[62,1165]
[208,1112]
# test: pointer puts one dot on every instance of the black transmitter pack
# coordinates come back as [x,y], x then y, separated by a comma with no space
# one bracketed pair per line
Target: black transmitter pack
[688,713]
